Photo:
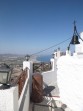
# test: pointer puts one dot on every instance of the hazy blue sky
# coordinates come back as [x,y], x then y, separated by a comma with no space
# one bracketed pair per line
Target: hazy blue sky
[32,25]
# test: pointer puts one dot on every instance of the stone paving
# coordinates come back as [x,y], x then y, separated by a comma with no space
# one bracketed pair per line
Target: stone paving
[51,101]
[50,105]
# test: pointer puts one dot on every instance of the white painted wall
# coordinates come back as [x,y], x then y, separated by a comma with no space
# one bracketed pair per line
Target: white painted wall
[79,47]
[70,81]
[9,99]
[50,77]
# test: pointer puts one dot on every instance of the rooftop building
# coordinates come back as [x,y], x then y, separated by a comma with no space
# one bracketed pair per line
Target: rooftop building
[56,89]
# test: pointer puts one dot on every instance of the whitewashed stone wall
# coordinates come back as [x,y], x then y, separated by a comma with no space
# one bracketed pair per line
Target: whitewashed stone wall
[79,47]
[50,77]
[9,99]
[70,81]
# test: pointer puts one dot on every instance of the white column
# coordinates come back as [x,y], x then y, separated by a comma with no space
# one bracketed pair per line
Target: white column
[52,64]
[29,65]
[68,52]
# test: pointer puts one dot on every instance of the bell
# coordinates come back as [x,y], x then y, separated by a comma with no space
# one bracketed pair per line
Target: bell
[75,40]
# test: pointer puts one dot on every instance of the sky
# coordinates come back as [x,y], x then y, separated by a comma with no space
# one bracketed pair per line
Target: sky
[30,26]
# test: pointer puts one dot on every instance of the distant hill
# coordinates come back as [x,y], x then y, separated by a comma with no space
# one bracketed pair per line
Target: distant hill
[10,55]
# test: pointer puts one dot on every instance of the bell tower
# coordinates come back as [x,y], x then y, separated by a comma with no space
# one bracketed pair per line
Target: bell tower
[79,47]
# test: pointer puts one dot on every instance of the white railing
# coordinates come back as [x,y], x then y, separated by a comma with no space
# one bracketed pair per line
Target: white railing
[24,100]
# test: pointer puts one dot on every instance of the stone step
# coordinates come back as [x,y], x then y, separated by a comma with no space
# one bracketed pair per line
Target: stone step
[50,104]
